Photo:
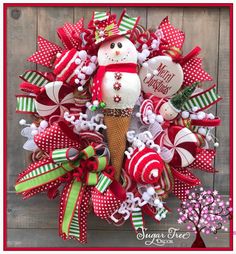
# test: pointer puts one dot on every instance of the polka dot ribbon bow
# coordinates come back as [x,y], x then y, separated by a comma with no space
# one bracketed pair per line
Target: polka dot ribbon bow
[82,171]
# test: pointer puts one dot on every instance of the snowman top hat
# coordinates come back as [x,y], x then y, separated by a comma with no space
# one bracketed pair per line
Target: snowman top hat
[178,101]
[107,29]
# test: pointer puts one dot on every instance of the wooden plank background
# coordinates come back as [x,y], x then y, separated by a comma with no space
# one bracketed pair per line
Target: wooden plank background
[33,223]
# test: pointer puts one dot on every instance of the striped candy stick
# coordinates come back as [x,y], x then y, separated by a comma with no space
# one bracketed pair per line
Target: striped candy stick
[103,182]
[137,219]
[34,77]
[203,100]
[25,104]
[127,23]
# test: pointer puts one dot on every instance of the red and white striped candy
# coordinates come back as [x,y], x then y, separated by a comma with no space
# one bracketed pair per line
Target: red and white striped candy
[182,145]
[146,106]
[144,166]
[55,98]
[67,64]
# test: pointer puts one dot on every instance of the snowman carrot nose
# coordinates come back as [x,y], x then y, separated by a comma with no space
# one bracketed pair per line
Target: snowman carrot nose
[117,53]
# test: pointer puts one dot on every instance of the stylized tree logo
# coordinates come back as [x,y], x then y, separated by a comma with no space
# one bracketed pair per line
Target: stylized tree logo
[204,211]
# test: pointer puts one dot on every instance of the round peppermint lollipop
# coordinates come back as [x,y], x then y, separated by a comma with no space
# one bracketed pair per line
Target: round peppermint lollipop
[181,144]
[55,98]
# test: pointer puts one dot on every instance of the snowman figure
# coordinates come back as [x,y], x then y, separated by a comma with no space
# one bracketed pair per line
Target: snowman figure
[116,87]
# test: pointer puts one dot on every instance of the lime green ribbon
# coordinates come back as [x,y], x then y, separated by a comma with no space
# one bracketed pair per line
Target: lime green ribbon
[50,172]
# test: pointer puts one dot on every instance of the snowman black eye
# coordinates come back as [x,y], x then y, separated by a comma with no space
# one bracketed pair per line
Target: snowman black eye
[119,44]
[112,45]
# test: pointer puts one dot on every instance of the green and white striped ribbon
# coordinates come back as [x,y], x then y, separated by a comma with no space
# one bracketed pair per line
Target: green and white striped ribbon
[60,155]
[25,104]
[74,226]
[99,15]
[203,100]
[69,208]
[127,23]
[137,219]
[103,182]
[38,171]
[34,77]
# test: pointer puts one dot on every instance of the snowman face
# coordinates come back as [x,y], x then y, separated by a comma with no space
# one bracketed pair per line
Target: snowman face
[119,50]
[168,112]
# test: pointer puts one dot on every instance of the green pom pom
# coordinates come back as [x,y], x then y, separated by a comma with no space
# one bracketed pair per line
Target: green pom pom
[93,108]
[102,104]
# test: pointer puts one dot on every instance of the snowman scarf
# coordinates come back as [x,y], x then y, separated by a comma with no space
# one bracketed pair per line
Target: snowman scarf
[97,82]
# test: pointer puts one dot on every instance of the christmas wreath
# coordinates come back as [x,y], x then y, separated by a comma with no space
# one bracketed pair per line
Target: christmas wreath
[118,121]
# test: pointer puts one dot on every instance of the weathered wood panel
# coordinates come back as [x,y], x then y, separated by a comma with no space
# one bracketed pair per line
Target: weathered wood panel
[21,42]
[223,110]
[32,222]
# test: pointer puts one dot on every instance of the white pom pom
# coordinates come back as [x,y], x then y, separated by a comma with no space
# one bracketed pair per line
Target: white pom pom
[96,103]
[145,119]
[151,190]
[138,114]
[157,201]
[34,132]
[155,72]
[153,46]
[148,75]
[159,118]
[82,54]
[155,173]
[80,88]
[155,41]
[33,126]
[202,131]
[216,144]
[152,120]
[81,76]
[77,61]
[77,71]
[84,68]
[145,46]
[58,54]
[89,70]
[93,66]
[88,104]
[193,116]
[210,116]
[146,196]
[201,115]
[185,114]
[146,52]
[22,122]
[194,109]
[149,112]
[160,205]
[141,57]
[76,81]
[145,65]
[93,59]
[44,124]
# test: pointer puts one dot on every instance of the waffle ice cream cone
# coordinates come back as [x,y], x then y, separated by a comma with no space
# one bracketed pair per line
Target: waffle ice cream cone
[117,127]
